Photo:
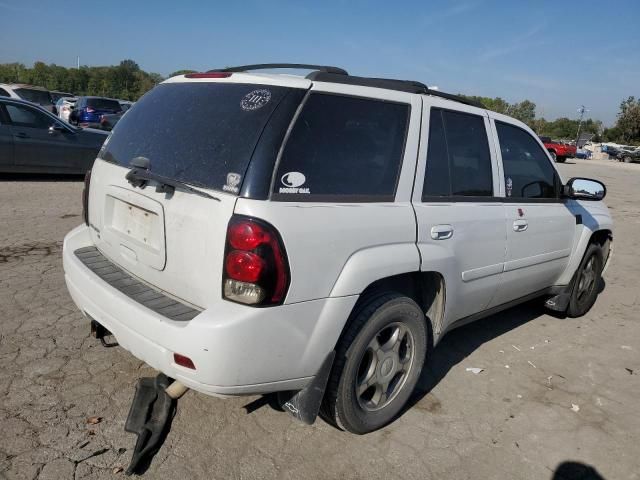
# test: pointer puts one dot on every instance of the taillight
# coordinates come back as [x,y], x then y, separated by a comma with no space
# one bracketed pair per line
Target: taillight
[256,271]
[90,110]
[85,197]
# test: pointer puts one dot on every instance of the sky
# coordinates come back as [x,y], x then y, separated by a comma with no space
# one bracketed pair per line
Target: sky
[559,54]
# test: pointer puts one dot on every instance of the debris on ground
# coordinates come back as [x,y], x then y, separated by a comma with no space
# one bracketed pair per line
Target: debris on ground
[506,366]
[94,420]
[575,408]
[475,370]
[530,363]
[625,347]
[117,470]
[629,370]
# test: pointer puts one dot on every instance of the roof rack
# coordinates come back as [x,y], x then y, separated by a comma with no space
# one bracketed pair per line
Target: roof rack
[324,73]
[300,66]
[409,86]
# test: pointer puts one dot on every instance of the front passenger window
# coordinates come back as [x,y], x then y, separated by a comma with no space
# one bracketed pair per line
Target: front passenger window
[528,173]
[22,116]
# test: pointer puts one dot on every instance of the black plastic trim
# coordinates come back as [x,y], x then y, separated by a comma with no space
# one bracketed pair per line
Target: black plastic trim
[408,86]
[133,288]
[299,66]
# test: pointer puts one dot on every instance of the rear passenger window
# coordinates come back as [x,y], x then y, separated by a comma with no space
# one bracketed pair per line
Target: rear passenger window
[23,116]
[458,158]
[343,149]
[528,173]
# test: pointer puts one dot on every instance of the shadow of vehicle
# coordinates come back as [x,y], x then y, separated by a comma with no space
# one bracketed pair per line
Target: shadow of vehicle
[461,342]
[576,471]
[40,177]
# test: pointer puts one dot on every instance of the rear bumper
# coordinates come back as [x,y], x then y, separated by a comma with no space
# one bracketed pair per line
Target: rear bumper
[237,350]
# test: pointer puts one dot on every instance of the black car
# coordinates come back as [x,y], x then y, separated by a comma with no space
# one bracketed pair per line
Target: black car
[34,140]
[629,156]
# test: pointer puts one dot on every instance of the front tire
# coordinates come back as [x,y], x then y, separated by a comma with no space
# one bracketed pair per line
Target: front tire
[627,159]
[560,159]
[587,282]
[378,362]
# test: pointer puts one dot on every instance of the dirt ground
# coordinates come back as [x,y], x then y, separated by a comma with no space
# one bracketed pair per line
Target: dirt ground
[553,391]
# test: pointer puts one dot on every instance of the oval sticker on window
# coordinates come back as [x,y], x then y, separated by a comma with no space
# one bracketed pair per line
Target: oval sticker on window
[255,99]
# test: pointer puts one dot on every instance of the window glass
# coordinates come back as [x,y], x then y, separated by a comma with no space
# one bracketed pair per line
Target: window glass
[202,133]
[437,182]
[41,97]
[4,93]
[528,173]
[344,147]
[458,157]
[28,117]
[104,104]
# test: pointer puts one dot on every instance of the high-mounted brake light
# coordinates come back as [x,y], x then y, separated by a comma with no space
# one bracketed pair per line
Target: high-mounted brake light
[256,271]
[85,197]
[208,75]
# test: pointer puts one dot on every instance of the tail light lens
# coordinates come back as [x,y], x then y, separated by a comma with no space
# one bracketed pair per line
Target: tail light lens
[85,197]
[256,271]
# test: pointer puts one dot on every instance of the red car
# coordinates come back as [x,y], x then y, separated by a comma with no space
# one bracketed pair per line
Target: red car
[559,151]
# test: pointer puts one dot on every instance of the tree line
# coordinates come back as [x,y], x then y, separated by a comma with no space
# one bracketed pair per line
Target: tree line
[128,81]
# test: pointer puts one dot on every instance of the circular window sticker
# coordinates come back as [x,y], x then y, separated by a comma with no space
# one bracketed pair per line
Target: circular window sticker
[255,100]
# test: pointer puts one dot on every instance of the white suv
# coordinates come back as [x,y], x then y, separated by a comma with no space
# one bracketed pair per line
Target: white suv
[255,233]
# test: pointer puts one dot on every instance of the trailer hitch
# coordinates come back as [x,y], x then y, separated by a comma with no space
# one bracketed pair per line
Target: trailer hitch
[150,416]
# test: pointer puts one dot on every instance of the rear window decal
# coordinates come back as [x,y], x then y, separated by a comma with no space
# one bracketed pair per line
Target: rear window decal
[292,182]
[233,180]
[255,99]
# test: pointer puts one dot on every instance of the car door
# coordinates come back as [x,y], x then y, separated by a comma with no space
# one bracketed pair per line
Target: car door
[540,228]
[461,229]
[6,142]
[36,147]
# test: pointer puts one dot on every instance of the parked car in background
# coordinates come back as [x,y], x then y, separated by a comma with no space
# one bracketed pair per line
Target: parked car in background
[125,104]
[559,151]
[629,155]
[88,111]
[38,95]
[64,107]
[33,140]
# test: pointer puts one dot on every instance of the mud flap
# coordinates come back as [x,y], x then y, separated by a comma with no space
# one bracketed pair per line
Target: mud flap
[305,404]
[150,418]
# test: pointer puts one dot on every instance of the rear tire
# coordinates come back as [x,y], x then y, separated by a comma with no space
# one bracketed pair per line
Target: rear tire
[561,159]
[587,282]
[378,362]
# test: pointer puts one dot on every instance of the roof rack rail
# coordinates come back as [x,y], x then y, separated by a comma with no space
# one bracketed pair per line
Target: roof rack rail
[301,66]
[409,86]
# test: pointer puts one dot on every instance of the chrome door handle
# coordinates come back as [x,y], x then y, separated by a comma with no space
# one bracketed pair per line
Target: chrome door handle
[520,225]
[441,232]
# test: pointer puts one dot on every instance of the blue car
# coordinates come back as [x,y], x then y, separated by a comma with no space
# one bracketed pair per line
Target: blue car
[89,110]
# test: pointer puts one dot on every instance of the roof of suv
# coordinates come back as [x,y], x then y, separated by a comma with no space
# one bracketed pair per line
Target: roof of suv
[322,73]
[23,85]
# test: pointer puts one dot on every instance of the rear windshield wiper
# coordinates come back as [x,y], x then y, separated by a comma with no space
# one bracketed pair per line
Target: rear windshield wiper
[138,177]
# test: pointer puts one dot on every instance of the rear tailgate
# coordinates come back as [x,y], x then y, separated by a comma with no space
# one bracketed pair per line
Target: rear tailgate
[174,244]
[202,134]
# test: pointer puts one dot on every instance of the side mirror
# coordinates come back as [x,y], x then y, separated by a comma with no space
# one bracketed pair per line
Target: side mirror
[585,189]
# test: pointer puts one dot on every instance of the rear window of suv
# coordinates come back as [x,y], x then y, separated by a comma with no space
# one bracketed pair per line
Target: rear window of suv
[104,104]
[343,148]
[41,97]
[202,133]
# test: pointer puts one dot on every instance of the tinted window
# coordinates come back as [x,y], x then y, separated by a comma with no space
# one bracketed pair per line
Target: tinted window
[345,147]
[458,158]
[200,133]
[4,93]
[528,172]
[23,116]
[103,104]
[41,97]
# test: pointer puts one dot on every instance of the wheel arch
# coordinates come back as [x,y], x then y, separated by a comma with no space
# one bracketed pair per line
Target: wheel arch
[427,289]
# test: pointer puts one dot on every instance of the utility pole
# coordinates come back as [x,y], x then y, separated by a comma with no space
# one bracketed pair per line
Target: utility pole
[78,62]
[582,109]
